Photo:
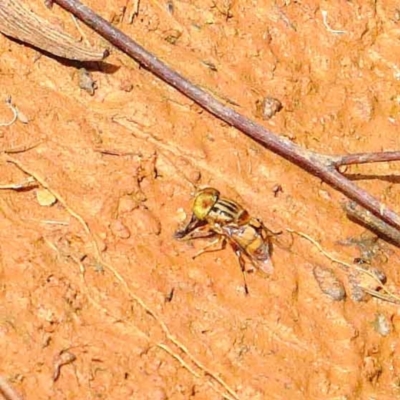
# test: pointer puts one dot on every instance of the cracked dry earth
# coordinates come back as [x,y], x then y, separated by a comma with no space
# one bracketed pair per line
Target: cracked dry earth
[98,301]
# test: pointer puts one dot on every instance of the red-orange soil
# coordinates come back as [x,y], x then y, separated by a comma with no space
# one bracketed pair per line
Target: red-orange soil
[99,275]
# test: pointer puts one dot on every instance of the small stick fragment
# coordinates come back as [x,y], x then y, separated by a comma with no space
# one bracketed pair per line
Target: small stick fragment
[112,152]
[52,222]
[64,358]
[325,21]
[19,23]
[7,391]
[21,149]
[135,11]
[28,183]
[381,296]
[79,29]
[367,218]
[13,109]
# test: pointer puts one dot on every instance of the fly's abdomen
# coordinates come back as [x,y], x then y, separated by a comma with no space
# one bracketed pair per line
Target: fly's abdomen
[251,240]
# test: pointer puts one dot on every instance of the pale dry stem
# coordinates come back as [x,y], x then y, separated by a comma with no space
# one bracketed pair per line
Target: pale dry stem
[80,30]
[183,363]
[177,357]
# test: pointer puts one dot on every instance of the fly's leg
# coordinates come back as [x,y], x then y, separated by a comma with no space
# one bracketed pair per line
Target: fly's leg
[193,225]
[243,269]
[242,264]
[197,234]
[220,240]
[269,234]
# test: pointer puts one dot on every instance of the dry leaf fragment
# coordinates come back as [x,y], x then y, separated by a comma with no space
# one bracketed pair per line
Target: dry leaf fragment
[21,116]
[19,23]
[45,198]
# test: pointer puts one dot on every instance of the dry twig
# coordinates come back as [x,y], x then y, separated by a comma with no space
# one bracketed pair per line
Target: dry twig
[27,183]
[321,165]
[366,218]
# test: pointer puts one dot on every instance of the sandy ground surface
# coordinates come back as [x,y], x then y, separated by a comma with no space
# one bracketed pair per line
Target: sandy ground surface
[97,281]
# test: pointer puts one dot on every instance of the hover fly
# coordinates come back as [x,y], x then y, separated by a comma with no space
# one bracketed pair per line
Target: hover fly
[229,222]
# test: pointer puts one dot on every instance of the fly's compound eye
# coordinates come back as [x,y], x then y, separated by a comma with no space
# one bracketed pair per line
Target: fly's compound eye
[204,202]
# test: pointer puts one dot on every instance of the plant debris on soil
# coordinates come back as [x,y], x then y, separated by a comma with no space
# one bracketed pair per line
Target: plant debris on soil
[98,300]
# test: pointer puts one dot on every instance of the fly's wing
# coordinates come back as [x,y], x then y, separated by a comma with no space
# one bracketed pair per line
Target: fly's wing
[260,249]
[261,257]
[253,241]
[262,253]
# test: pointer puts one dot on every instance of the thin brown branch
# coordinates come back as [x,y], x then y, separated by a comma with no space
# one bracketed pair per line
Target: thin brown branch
[364,158]
[366,218]
[322,166]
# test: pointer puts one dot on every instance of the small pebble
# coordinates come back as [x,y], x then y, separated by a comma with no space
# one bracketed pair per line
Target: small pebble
[194,176]
[127,204]
[170,6]
[382,325]
[86,82]
[329,283]
[119,229]
[146,222]
[158,394]
[277,189]
[371,369]
[268,107]
[126,86]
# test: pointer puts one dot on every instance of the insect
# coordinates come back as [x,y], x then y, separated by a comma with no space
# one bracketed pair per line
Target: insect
[213,215]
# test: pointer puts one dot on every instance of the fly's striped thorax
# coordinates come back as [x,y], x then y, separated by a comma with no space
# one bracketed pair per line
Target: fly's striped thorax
[226,211]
